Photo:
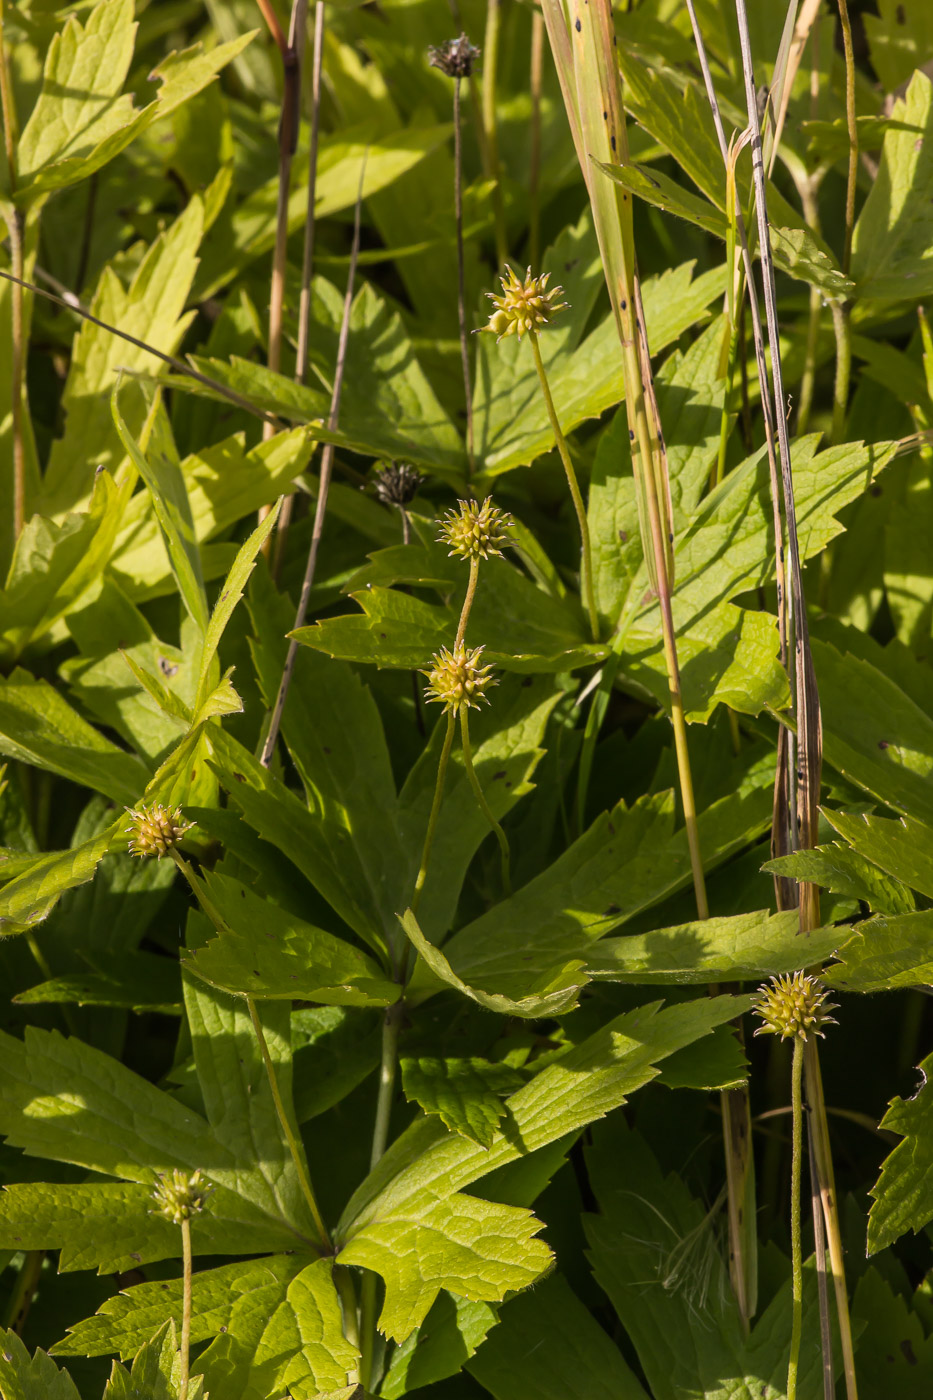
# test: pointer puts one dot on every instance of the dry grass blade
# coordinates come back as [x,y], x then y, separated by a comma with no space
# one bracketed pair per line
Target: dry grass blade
[327,467]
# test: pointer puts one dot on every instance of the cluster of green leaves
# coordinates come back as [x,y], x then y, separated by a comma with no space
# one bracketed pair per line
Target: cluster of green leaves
[521,1235]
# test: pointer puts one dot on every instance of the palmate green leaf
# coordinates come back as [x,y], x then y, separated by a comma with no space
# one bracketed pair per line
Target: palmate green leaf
[38,726]
[31,895]
[298,1347]
[105,1226]
[150,308]
[161,471]
[627,861]
[548,1346]
[428,1163]
[843,871]
[742,948]
[887,951]
[654,1251]
[894,1354]
[903,848]
[904,1191]
[267,952]
[25,1377]
[479,1249]
[891,259]
[449,1335]
[874,734]
[466,1094]
[130,1317]
[899,38]
[156,1371]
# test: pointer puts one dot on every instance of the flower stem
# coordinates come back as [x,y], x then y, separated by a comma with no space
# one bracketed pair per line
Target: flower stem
[390,1030]
[16,227]
[579,507]
[435,810]
[534,162]
[795,1247]
[490,63]
[461,274]
[294,1147]
[467,602]
[852,126]
[483,804]
[843,333]
[185,1308]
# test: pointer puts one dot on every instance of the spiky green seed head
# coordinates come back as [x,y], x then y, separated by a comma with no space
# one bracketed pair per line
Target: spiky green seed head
[474,531]
[154,830]
[524,305]
[457,678]
[179,1196]
[794,1006]
[455,57]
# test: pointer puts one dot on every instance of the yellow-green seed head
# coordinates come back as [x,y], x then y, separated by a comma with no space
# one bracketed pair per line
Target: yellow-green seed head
[475,532]
[458,679]
[178,1196]
[793,1006]
[155,830]
[523,306]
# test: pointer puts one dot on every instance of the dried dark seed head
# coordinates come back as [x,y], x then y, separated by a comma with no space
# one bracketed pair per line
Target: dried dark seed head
[455,57]
[397,483]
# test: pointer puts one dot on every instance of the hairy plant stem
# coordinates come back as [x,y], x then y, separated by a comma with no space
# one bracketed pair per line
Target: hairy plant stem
[819,1250]
[536,78]
[586,569]
[822,1154]
[327,467]
[490,127]
[483,804]
[795,1245]
[387,1071]
[461,277]
[842,330]
[294,1146]
[435,810]
[185,1309]
[467,602]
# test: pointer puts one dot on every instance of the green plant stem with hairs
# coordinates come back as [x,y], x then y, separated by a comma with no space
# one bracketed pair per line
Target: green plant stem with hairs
[185,1308]
[467,602]
[490,127]
[795,1245]
[483,804]
[586,566]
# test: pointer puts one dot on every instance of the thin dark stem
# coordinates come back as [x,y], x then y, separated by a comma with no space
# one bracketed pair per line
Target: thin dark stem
[461,275]
[272,20]
[795,1246]
[327,467]
[185,1309]
[586,568]
[483,804]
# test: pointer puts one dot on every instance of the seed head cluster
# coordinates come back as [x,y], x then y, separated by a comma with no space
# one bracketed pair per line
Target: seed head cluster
[154,830]
[794,1006]
[457,678]
[524,305]
[474,531]
[397,483]
[455,57]
[179,1196]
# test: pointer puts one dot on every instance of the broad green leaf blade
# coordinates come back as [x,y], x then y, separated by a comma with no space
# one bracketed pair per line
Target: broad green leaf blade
[131,1316]
[480,1250]
[893,1353]
[267,952]
[887,952]
[161,472]
[743,948]
[448,1337]
[466,1094]
[903,848]
[843,871]
[593,1078]
[548,1346]
[230,595]
[904,1191]
[25,1377]
[30,897]
[156,1371]
[133,981]
[39,727]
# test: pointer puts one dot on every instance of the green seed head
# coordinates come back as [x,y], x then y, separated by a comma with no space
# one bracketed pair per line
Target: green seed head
[155,830]
[792,1006]
[457,678]
[523,306]
[178,1196]
[475,531]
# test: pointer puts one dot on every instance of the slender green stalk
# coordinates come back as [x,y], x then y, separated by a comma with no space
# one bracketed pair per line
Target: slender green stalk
[343,1282]
[852,128]
[185,1308]
[819,1128]
[586,560]
[294,1147]
[483,804]
[24,1290]
[819,1250]
[435,810]
[842,330]
[387,1071]
[461,276]
[16,226]
[467,602]
[534,159]
[490,128]
[795,1246]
